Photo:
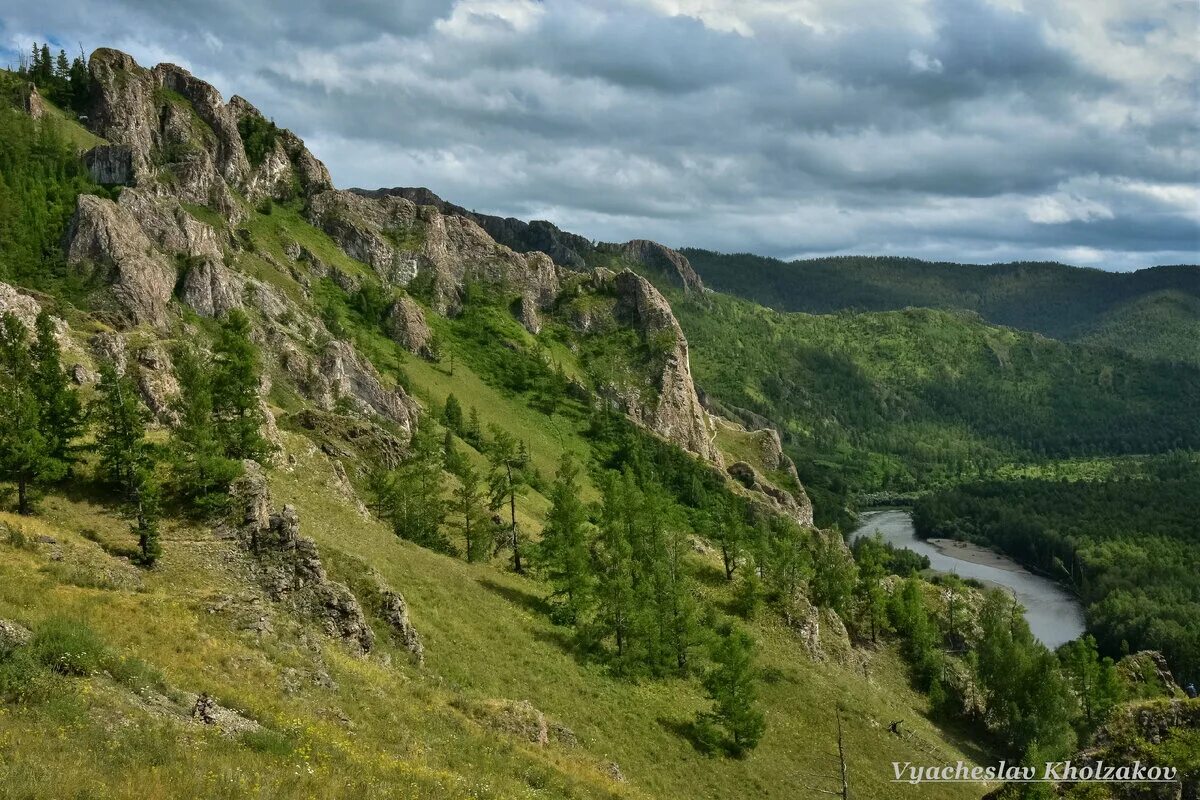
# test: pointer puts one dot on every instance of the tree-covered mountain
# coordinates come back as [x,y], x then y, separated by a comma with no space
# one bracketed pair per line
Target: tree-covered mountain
[1056,300]
[311,492]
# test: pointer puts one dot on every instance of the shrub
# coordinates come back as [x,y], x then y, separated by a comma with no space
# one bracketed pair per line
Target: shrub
[69,647]
[24,679]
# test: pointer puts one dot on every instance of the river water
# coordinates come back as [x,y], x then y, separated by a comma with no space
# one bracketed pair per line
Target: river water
[1054,616]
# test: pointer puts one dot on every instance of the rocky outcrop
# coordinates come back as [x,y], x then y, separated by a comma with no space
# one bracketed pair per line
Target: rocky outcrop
[662,260]
[211,289]
[394,611]
[106,235]
[565,249]
[355,379]
[288,565]
[32,103]
[157,383]
[406,324]
[110,164]
[169,119]
[675,412]
[793,502]
[401,240]
[1147,674]
[21,306]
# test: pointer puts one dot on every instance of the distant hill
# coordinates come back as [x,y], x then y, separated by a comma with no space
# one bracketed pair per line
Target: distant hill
[1057,300]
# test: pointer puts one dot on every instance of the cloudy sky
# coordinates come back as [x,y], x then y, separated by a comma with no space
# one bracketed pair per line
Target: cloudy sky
[968,130]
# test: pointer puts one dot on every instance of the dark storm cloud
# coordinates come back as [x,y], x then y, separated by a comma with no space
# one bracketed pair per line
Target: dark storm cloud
[956,129]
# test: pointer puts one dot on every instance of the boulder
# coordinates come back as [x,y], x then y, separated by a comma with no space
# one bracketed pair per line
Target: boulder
[13,635]
[32,103]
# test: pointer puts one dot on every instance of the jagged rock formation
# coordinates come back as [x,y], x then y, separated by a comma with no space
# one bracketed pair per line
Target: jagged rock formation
[394,611]
[407,326]
[106,235]
[566,249]
[401,241]
[676,414]
[1146,674]
[289,566]
[31,102]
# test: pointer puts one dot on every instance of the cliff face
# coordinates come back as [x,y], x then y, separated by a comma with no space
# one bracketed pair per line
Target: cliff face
[402,242]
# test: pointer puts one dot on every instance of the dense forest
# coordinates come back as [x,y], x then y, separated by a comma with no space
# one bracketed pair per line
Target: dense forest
[910,400]
[1052,299]
[1130,548]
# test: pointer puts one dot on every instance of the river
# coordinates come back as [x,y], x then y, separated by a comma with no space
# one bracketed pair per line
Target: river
[1054,616]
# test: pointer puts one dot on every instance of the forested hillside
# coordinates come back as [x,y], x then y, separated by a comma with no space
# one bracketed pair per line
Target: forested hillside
[1056,300]
[1130,547]
[894,402]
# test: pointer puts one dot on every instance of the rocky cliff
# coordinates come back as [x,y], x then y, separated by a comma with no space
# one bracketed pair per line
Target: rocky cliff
[566,249]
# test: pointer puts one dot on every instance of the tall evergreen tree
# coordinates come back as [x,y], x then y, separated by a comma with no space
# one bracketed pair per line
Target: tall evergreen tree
[452,415]
[1092,679]
[507,481]
[235,383]
[200,470]
[730,684]
[412,496]
[24,455]
[125,456]
[61,416]
[470,508]
[615,590]
[564,553]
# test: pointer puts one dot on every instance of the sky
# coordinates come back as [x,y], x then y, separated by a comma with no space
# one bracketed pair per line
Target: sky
[961,130]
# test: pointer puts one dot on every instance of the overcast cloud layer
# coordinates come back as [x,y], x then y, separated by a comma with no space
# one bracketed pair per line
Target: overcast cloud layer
[966,130]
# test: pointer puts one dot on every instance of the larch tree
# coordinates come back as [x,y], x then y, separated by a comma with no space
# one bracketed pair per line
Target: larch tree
[564,551]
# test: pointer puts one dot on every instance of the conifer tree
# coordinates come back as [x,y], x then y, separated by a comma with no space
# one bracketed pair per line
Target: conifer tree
[147,510]
[24,456]
[200,470]
[61,416]
[730,684]
[564,552]
[452,415]
[615,590]
[469,505]
[414,500]
[1092,679]
[121,430]
[473,434]
[235,383]
[507,481]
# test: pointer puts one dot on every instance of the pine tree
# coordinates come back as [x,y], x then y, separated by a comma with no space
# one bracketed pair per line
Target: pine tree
[725,526]
[1092,679]
[564,553]
[121,431]
[730,684]
[413,497]
[615,590]
[201,472]
[871,556]
[473,434]
[235,385]
[24,455]
[61,416]
[469,506]
[507,482]
[452,416]
[62,67]
[147,510]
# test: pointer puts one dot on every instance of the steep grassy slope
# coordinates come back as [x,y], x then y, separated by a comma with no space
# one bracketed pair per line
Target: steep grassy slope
[1053,299]
[198,623]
